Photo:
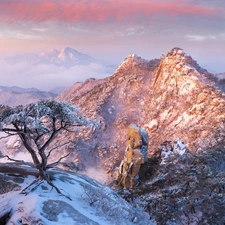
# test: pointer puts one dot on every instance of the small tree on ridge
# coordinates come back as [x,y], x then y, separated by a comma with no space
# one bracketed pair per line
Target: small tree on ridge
[37,125]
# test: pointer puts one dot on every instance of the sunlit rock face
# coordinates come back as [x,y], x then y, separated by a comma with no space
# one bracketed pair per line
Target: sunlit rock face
[135,158]
[170,97]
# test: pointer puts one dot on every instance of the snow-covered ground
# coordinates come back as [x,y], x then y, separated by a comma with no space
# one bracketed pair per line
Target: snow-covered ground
[83,201]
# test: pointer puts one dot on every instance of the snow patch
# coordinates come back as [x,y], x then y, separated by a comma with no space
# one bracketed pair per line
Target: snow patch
[92,203]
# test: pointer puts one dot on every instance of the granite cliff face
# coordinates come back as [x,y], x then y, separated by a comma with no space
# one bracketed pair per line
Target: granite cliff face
[171,97]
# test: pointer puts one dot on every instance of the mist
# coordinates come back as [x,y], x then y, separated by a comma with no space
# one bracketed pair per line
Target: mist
[47,76]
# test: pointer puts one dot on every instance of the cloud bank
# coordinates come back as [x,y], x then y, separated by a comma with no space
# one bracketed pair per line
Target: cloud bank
[47,77]
[112,29]
[96,11]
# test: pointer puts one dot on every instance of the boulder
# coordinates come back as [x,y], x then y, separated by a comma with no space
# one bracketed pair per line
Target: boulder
[134,158]
[134,136]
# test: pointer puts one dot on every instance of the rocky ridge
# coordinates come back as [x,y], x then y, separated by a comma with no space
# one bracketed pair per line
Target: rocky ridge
[188,189]
[171,97]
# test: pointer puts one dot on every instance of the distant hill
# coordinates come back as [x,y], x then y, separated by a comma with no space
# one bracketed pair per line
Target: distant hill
[67,57]
[13,96]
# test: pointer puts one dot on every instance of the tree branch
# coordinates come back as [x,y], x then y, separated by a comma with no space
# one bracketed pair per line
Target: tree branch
[15,160]
[55,131]
[57,162]
[29,188]
[49,153]
[29,148]
[65,128]
[7,130]
[9,135]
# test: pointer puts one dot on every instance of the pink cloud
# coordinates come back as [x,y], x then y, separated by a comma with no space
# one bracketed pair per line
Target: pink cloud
[96,11]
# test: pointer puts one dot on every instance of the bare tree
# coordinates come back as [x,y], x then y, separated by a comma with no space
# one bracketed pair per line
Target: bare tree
[37,125]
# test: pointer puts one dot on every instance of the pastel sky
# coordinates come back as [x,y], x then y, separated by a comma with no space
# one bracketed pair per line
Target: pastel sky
[112,29]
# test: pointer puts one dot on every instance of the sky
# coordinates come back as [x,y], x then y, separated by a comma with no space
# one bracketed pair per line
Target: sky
[112,29]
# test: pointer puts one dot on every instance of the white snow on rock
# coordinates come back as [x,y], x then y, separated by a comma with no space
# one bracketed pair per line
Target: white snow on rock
[91,203]
[168,150]
[179,146]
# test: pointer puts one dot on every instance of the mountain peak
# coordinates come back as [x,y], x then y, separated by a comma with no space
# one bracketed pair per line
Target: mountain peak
[67,57]
[178,54]
[177,51]
[70,57]
[54,50]
[181,60]
[67,50]
[132,60]
[174,92]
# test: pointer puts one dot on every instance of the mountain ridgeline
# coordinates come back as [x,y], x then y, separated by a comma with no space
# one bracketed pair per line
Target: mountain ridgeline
[67,57]
[171,97]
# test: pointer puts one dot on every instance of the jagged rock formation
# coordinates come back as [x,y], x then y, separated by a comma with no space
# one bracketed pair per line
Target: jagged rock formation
[135,157]
[169,97]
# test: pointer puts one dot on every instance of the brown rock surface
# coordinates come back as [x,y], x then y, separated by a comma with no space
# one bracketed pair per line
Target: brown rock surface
[134,137]
[134,157]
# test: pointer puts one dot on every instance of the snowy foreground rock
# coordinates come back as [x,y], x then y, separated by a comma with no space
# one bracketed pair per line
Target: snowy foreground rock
[91,202]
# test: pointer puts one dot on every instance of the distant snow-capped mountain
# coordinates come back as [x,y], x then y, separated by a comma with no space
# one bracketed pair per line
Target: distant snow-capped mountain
[70,57]
[67,57]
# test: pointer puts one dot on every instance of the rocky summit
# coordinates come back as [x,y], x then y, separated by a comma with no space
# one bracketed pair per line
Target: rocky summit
[171,97]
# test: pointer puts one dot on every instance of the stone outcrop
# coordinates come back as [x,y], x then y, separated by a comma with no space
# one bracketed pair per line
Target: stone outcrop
[135,157]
